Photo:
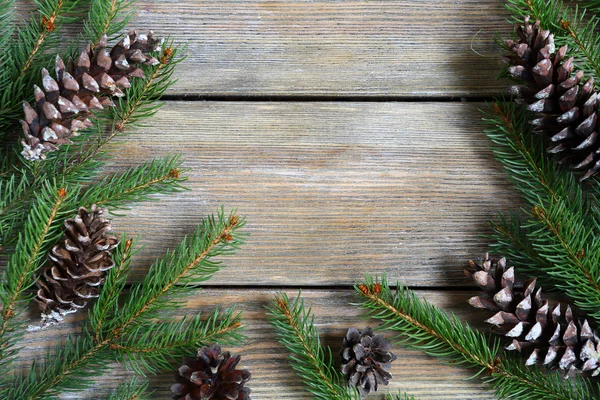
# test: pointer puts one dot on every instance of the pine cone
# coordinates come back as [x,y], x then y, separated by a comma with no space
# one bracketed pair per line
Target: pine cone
[365,359]
[211,376]
[544,335]
[79,264]
[63,105]
[565,106]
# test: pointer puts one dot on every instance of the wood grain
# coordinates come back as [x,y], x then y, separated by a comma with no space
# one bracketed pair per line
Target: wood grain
[414,372]
[398,48]
[330,190]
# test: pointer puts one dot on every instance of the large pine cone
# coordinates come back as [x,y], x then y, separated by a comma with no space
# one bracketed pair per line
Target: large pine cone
[544,335]
[365,360]
[566,106]
[79,264]
[63,105]
[211,376]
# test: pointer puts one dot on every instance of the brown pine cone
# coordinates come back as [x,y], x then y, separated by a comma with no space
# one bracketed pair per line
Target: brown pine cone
[365,360]
[543,334]
[211,376]
[63,105]
[79,264]
[565,105]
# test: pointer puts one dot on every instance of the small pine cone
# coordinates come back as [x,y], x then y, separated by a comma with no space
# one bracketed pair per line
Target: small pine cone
[365,360]
[79,264]
[211,376]
[565,105]
[62,106]
[543,335]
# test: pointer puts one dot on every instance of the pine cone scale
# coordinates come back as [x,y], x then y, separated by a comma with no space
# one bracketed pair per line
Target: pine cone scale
[543,335]
[63,105]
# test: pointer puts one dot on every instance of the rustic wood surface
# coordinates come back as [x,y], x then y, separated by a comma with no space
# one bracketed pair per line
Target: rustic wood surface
[367,161]
[272,378]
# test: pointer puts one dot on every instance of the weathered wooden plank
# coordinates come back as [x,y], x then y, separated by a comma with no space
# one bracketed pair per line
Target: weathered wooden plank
[330,190]
[332,48]
[414,372]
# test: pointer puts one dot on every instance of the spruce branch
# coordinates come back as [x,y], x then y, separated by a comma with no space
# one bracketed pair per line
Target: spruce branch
[159,176]
[40,231]
[513,239]
[125,329]
[561,222]
[423,326]
[156,346]
[132,390]
[295,328]
[107,17]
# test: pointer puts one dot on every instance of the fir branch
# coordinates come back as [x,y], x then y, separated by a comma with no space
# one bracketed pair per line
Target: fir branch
[513,239]
[154,347]
[216,236]
[296,331]
[159,176]
[423,326]
[132,390]
[191,262]
[107,17]
[40,231]
[562,229]
[114,284]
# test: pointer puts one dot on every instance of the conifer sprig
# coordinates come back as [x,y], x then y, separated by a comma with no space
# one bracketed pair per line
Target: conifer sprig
[423,326]
[132,390]
[561,228]
[107,17]
[125,331]
[295,328]
[40,231]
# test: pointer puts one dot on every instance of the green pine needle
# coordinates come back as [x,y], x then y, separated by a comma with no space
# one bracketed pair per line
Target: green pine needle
[158,346]
[561,225]
[132,390]
[295,328]
[133,332]
[424,327]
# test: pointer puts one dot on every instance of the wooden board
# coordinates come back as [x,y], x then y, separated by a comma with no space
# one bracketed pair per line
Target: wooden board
[330,190]
[398,48]
[423,376]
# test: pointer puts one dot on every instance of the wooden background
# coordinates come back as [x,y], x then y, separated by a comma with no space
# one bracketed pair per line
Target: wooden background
[349,135]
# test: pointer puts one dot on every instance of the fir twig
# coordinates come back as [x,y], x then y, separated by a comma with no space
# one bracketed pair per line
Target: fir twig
[132,390]
[422,326]
[295,328]
[123,329]
[41,230]
[561,224]
[107,17]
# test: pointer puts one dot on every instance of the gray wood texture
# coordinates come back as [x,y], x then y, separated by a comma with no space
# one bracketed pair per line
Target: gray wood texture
[366,162]
[426,48]
[330,190]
